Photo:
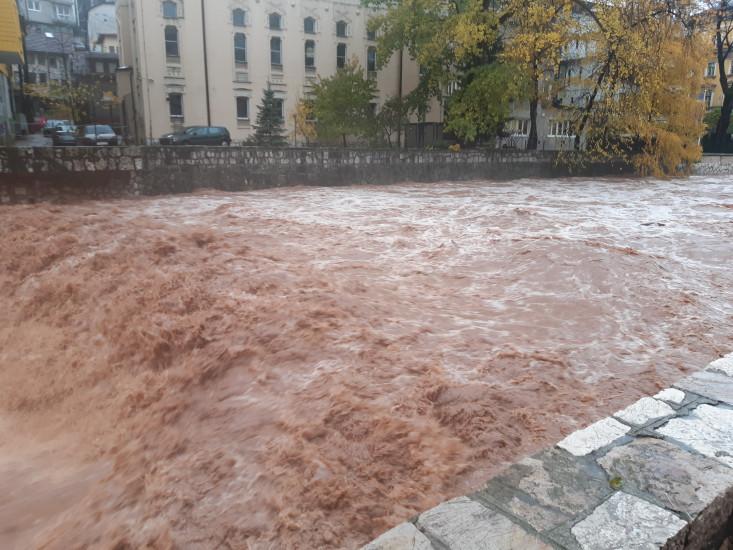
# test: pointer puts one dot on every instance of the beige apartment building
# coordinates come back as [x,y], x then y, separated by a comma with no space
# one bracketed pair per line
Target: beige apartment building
[207,62]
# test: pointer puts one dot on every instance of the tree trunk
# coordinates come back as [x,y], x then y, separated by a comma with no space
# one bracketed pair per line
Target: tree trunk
[532,139]
[721,131]
[343,137]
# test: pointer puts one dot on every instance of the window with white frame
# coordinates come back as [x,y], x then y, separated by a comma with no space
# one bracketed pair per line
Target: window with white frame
[242,108]
[519,127]
[63,12]
[341,56]
[309,25]
[239,17]
[240,48]
[34,5]
[275,21]
[341,29]
[276,51]
[170,9]
[708,98]
[371,59]
[310,54]
[559,128]
[280,107]
[175,105]
[710,71]
[171,41]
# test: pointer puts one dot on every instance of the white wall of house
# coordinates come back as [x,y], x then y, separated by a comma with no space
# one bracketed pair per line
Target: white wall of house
[142,27]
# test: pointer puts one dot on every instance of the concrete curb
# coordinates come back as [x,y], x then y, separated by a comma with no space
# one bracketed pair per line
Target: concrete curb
[657,474]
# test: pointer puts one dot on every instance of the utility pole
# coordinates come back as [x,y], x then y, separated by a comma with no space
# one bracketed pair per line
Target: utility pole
[206,64]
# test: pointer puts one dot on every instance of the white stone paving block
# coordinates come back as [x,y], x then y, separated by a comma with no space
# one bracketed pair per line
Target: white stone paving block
[403,537]
[644,410]
[464,524]
[625,522]
[723,365]
[707,429]
[595,436]
[671,395]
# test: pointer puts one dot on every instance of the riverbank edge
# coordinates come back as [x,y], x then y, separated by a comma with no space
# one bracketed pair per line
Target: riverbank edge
[78,173]
[658,473]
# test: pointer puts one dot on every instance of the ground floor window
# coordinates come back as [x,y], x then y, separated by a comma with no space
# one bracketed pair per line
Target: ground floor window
[175,104]
[280,107]
[242,108]
[519,127]
[559,128]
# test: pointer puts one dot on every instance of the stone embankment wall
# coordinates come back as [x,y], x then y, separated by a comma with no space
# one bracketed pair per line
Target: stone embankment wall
[657,474]
[714,165]
[32,174]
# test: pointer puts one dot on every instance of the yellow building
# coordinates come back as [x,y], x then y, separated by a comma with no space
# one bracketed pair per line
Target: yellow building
[11,53]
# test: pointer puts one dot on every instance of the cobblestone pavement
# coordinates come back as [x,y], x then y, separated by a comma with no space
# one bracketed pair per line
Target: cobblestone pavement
[657,474]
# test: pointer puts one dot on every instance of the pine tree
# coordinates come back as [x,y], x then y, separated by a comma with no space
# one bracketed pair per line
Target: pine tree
[269,126]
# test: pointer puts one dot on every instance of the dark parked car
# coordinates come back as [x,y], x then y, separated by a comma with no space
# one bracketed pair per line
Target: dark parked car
[97,134]
[198,135]
[64,135]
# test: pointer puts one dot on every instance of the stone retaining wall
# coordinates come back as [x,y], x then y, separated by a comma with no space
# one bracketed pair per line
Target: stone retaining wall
[714,165]
[31,174]
[657,474]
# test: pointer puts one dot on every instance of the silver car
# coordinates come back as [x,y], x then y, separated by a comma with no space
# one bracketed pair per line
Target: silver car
[97,134]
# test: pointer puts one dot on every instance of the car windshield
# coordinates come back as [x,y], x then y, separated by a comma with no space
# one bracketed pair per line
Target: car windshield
[104,129]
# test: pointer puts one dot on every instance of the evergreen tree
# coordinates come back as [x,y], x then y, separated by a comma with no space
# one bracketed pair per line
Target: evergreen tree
[269,126]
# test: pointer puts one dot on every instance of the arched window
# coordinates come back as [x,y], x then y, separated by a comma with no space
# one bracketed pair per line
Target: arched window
[341,56]
[310,54]
[240,48]
[341,29]
[275,21]
[171,41]
[239,17]
[276,50]
[309,25]
[170,9]
[371,58]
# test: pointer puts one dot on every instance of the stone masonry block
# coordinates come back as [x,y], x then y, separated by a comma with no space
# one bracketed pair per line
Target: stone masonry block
[707,429]
[597,435]
[711,384]
[464,524]
[679,480]
[724,365]
[403,537]
[671,395]
[644,410]
[625,522]
[547,489]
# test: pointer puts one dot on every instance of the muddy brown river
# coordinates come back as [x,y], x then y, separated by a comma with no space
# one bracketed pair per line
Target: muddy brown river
[307,367]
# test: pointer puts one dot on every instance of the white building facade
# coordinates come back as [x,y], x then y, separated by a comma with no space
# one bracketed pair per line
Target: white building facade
[204,62]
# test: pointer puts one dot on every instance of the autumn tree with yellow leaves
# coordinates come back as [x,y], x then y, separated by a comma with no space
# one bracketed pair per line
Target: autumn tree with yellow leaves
[640,79]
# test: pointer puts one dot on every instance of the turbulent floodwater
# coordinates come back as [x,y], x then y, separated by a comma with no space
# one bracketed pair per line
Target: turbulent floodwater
[304,368]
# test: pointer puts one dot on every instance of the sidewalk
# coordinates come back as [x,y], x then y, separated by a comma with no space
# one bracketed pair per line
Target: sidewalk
[33,140]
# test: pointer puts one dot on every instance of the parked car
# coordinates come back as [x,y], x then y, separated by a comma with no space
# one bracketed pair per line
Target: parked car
[97,134]
[198,135]
[51,124]
[64,135]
